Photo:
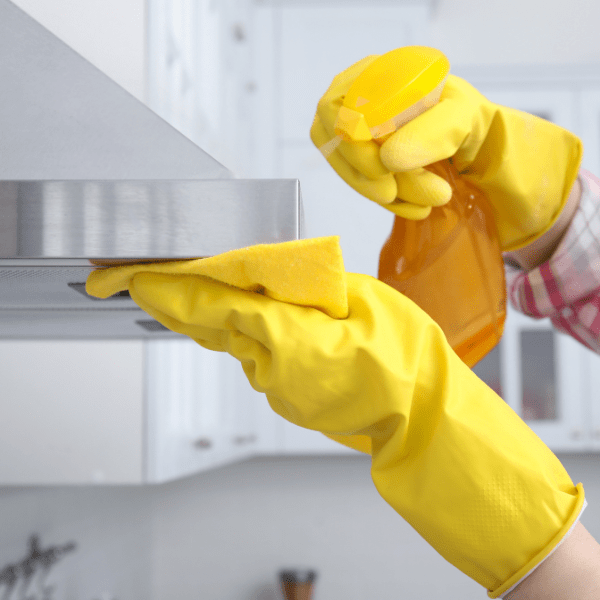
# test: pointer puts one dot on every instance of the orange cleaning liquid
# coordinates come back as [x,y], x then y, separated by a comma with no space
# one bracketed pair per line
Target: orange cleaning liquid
[450,264]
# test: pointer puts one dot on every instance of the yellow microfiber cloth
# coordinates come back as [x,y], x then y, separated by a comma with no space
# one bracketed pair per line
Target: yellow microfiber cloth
[305,272]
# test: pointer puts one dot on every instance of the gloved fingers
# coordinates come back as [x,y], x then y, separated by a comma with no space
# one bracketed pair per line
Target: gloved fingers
[224,318]
[408,210]
[256,360]
[148,291]
[434,135]
[200,306]
[418,191]
[382,190]
[363,156]
[189,299]
[423,188]
[209,345]
[207,337]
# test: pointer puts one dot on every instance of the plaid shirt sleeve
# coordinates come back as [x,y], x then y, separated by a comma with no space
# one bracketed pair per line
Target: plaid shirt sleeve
[566,288]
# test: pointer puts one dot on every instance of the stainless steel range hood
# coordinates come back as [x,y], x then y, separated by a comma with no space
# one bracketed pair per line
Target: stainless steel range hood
[89,173]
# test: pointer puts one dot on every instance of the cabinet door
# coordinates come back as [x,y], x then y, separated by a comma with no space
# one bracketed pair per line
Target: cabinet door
[542,372]
[187,410]
[197,77]
[589,128]
[71,412]
[239,408]
[589,131]
[544,381]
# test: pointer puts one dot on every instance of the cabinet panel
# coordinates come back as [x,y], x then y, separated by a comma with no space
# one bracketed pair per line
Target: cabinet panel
[304,441]
[589,106]
[548,387]
[71,412]
[239,408]
[592,416]
[190,421]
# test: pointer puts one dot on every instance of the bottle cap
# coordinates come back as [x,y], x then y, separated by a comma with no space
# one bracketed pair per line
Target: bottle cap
[392,90]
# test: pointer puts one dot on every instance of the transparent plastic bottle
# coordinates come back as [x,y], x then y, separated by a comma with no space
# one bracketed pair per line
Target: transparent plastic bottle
[450,263]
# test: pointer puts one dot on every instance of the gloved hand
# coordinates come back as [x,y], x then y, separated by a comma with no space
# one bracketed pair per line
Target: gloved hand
[449,455]
[525,165]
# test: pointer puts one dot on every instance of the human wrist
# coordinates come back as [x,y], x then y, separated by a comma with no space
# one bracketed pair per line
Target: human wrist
[531,256]
[571,572]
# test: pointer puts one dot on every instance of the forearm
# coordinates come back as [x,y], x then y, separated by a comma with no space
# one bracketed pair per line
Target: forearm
[542,249]
[572,572]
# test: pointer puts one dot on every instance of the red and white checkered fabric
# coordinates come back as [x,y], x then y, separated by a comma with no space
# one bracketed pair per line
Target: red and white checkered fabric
[566,288]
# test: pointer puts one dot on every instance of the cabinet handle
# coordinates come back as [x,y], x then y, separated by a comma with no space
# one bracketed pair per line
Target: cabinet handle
[239,32]
[203,443]
[576,434]
[242,440]
[597,433]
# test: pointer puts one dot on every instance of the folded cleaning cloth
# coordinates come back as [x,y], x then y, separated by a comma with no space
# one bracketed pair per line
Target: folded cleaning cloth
[304,272]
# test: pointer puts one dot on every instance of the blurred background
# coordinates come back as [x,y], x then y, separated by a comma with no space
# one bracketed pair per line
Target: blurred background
[241,78]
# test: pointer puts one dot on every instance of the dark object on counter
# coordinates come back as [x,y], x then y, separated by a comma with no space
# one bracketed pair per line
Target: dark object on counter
[31,572]
[297,584]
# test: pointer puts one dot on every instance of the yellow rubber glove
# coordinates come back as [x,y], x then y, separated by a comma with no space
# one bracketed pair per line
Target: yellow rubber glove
[525,165]
[449,455]
[357,163]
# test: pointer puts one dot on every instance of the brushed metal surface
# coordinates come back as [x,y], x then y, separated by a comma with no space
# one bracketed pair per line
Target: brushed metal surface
[143,219]
[50,231]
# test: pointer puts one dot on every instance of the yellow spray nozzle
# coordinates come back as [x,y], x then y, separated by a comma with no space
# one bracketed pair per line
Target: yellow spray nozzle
[351,125]
[392,90]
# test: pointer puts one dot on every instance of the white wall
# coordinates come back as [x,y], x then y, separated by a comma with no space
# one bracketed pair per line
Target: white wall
[225,534]
[109,33]
[110,525]
[517,31]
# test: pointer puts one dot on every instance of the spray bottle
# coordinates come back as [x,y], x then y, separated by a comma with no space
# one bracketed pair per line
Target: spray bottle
[450,263]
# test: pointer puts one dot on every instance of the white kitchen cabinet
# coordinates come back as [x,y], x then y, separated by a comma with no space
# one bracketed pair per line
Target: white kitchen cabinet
[198,66]
[199,413]
[71,412]
[93,412]
[589,126]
